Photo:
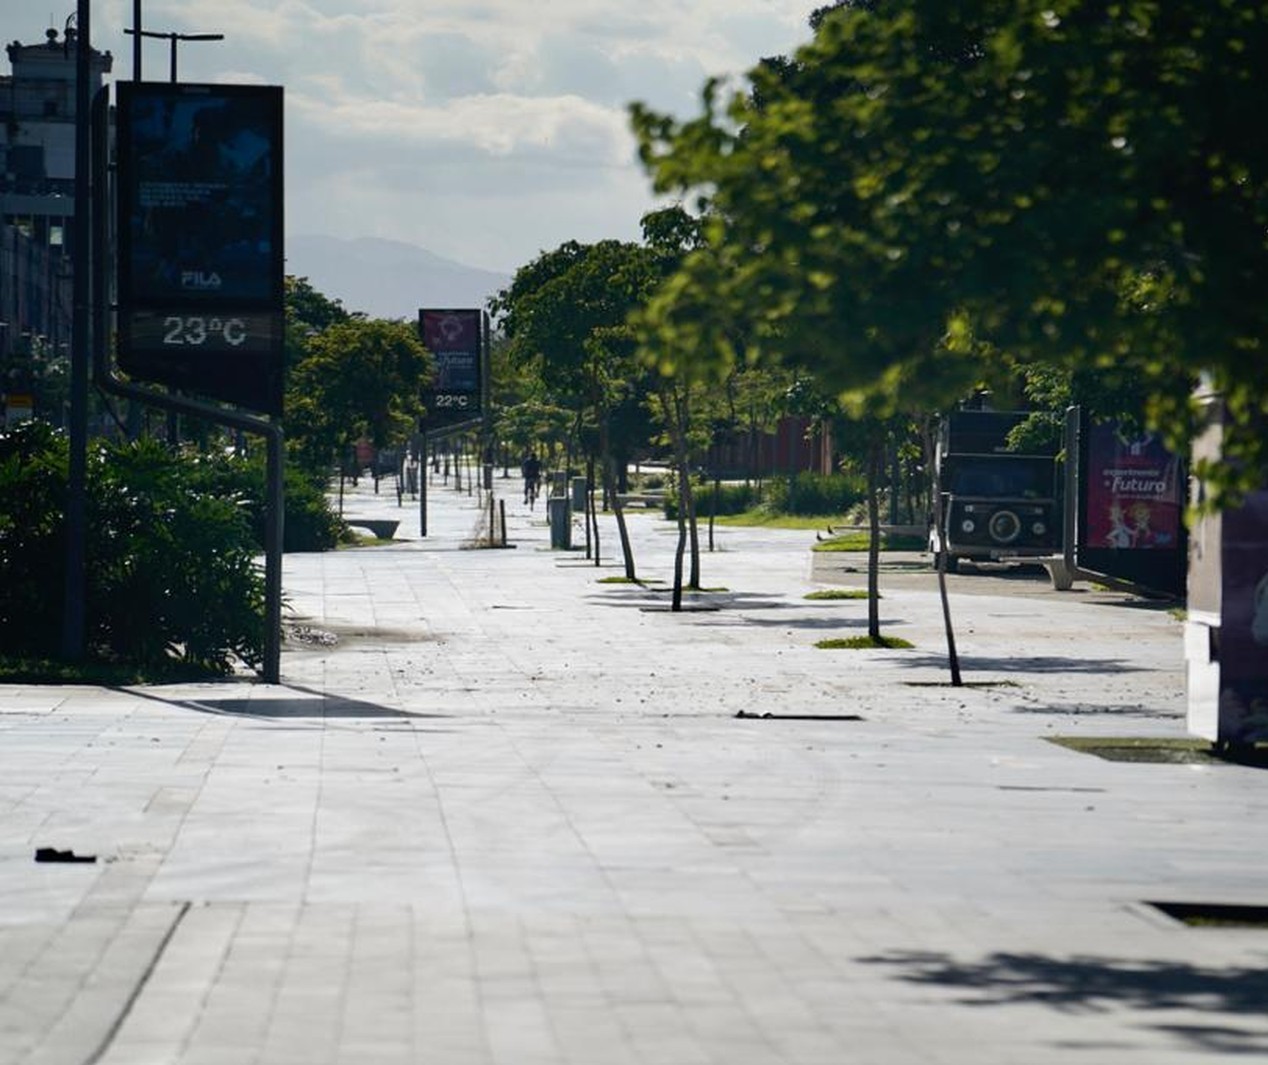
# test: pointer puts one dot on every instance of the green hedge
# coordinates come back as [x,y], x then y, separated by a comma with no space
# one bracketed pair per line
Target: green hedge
[815,493]
[173,581]
[309,523]
[810,494]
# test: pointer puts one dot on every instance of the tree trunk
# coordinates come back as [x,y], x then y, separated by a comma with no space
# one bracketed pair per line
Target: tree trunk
[672,409]
[611,483]
[875,456]
[592,511]
[940,559]
[679,551]
[713,505]
[693,526]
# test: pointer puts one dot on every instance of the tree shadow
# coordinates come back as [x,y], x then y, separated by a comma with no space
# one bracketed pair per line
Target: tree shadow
[1026,664]
[1089,984]
[633,595]
[822,624]
[1115,710]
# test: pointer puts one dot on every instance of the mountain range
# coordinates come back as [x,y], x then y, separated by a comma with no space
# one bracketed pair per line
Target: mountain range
[388,278]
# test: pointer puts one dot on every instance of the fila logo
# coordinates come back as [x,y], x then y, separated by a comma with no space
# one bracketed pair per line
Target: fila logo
[201,280]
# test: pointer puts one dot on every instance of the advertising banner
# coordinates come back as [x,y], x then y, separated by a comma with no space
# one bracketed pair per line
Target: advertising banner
[201,285]
[1131,507]
[456,340]
[1134,491]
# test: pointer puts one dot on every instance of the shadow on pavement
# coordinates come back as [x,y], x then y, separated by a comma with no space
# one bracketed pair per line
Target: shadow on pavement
[1115,710]
[1023,664]
[635,596]
[304,705]
[1093,985]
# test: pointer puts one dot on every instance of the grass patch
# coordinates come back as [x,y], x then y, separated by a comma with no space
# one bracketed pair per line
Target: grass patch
[857,642]
[641,582]
[837,593]
[766,519]
[97,674]
[1156,749]
[860,541]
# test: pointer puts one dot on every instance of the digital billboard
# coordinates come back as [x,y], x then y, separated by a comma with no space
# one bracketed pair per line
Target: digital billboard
[456,340]
[201,266]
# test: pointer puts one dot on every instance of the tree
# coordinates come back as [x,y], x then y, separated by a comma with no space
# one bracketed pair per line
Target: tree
[358,377]
[922,190]
[565,313]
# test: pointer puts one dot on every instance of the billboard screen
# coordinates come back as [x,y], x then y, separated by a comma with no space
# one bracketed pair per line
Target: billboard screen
[455,339]
[201,263]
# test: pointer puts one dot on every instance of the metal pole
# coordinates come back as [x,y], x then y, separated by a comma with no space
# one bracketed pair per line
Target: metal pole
[424,475]
[172,37]
[74,611]
[273,538]
[136,40]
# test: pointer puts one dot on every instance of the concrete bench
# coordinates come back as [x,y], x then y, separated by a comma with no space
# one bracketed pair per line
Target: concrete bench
[642,499]
[1061,574]
[383,528]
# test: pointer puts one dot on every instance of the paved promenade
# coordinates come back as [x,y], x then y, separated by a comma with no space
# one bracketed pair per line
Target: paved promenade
[500,812]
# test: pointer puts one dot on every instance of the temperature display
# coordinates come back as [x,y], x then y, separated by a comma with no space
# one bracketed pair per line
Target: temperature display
[249,332]
[454,400]
[197,329]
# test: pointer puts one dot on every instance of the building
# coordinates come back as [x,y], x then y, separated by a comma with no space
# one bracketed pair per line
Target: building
[37,207]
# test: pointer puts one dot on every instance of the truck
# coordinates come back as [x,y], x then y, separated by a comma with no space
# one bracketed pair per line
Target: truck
[996,504]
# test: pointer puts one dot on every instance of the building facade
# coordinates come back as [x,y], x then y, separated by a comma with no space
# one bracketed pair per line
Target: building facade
[37,208]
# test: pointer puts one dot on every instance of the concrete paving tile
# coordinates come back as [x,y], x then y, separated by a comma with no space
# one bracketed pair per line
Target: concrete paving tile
[584,857]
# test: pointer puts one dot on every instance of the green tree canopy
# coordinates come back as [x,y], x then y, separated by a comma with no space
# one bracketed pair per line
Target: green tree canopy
[360,377]
[924,189]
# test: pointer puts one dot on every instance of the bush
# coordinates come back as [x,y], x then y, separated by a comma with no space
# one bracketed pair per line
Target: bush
[33,478]
[809,494]
[732,498]
[172,577]
[815,493]
[308,523]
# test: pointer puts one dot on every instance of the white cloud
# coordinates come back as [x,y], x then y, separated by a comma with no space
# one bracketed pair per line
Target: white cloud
[486,131]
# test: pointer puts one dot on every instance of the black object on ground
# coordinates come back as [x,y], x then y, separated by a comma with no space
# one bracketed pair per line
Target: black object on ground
[52,854]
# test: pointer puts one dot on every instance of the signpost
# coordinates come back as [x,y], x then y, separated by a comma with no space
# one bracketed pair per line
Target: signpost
[456,399]
[458,396]
[199,271]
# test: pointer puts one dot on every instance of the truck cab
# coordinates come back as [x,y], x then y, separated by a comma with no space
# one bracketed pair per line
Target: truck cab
[996,504]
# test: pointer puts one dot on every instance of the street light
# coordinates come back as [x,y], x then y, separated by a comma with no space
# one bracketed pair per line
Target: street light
[173,38]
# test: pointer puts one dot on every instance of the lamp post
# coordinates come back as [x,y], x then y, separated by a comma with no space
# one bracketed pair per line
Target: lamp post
[169,36]
[75,585]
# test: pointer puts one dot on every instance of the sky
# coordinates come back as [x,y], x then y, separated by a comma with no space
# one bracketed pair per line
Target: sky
[486,131]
